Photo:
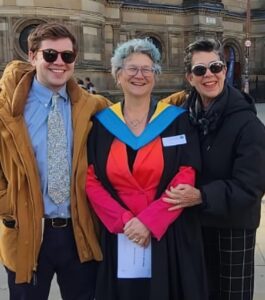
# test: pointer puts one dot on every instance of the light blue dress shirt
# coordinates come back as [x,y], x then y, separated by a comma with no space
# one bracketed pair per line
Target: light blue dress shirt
[36,116]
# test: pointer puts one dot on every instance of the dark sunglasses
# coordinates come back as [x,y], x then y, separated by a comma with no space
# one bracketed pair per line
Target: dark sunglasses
[215,67]
[50,55]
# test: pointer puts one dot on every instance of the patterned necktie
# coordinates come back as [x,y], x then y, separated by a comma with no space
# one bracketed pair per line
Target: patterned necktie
[58,167]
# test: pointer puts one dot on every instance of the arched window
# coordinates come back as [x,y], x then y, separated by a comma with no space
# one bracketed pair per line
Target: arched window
[23,37]
[234,68]
[156,42]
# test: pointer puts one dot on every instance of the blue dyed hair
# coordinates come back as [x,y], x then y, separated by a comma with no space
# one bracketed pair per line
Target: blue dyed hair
[143,46]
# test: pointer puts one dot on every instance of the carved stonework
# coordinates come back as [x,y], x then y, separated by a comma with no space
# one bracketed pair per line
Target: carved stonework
[172,24]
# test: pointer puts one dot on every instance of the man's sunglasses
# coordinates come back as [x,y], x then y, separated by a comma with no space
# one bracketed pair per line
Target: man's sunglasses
[215,67]
[50,55]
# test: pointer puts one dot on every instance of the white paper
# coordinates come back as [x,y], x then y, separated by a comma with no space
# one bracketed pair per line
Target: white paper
[174,140]
[133,261]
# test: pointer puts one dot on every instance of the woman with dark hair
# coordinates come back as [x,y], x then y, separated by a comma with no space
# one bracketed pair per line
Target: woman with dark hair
[232,181]
[137,149]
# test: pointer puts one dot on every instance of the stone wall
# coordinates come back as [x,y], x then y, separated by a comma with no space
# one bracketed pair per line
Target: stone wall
[100,25]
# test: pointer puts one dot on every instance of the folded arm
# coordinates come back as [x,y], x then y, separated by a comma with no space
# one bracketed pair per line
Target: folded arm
[157,216]
[110,212]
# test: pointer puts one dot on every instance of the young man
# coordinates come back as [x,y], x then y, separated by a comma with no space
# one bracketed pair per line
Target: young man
[46,225]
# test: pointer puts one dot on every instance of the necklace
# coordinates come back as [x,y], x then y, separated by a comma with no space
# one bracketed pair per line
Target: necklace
[134,123]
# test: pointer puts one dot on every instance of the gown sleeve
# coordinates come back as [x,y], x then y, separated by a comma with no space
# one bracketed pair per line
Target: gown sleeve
[109,211]
[156,216]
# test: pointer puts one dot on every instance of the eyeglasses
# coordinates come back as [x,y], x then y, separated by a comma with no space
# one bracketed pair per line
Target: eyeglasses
[50,55]
[215,67]
[133,70]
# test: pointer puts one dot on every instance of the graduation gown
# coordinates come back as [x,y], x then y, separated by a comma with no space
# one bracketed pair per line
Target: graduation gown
[167,144]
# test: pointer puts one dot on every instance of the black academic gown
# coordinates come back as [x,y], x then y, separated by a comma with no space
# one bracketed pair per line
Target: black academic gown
[178,271]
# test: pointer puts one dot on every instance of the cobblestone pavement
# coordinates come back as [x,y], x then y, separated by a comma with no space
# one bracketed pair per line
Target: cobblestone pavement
[259,260]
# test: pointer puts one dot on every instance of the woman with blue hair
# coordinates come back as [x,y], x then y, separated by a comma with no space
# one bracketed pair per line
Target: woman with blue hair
[138,148]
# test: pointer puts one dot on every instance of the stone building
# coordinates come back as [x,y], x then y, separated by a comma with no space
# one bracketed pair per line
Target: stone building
[100,25]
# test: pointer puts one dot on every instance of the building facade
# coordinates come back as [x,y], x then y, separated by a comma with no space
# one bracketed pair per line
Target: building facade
[100,25]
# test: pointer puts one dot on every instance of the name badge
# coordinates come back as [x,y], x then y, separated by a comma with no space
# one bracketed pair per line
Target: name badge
[174,140]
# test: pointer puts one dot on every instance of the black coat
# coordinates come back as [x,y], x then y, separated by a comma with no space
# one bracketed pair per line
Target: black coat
[232,140]
[177,259]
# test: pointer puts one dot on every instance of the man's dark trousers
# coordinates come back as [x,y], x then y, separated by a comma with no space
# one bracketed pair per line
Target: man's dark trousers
[58,255]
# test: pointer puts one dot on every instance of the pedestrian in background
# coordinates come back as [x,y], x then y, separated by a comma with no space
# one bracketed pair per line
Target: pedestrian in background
[46,224]
[90,86]
[81,83]
[232,181]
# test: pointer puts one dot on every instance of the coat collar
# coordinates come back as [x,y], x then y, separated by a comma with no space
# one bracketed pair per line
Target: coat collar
[16,83]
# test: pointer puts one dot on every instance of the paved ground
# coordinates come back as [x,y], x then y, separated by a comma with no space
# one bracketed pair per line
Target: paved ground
[260,246]
[260,253]
[260,259]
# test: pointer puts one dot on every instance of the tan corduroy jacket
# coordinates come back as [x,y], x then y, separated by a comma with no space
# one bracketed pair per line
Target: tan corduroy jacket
[177,98]
[20,190]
